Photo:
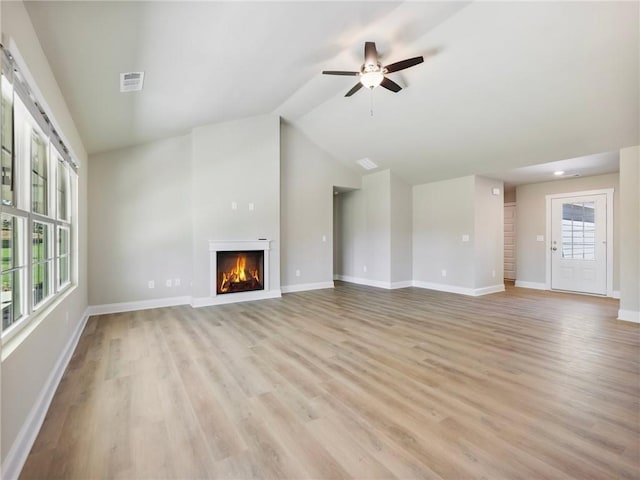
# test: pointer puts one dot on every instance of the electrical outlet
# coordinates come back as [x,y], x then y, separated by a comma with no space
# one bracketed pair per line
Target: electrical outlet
[444,273]
[539,238]
[493,273]
[465,237]
[364,269]
[251,206]
[151,284]
[176,282]
[324,238]
[168,283]
[234,205]
[297,273]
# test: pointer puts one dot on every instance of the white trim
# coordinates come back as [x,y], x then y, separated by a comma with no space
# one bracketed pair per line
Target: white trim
[365,281]
[604,191]
[235,298]
[216,246]
[510,204]
[238,245]
[616,294]
[303,287]
[629,316]
[532,285]
[471,292]
[375,283]
[14,461]
[138,305]
[478,292]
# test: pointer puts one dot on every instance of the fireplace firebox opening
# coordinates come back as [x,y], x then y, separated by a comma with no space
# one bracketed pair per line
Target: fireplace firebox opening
[239,271]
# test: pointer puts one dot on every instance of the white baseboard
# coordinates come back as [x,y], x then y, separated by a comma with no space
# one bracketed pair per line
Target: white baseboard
[478,292]
[374,283]
[532,285]
[235,298]
[303,287]
[629,316]
[442,287]
[472,292]
[14,461]
[139,305]
[616,294]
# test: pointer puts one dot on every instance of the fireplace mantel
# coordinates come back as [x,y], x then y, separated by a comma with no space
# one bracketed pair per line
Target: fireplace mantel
[216,246]
[238,245]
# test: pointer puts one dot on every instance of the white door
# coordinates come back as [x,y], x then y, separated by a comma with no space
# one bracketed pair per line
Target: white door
[579,244]
[510,241]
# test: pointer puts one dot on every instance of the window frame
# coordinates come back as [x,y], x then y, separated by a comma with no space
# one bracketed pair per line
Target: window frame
[58,260]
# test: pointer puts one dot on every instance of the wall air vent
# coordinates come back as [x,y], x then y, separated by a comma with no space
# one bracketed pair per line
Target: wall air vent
[367,163]
[131,81]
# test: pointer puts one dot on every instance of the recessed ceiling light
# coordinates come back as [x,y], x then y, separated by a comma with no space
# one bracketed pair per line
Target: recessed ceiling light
[367,164]
[558,173]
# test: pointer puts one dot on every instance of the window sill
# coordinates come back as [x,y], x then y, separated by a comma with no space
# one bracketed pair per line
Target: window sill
[15,336]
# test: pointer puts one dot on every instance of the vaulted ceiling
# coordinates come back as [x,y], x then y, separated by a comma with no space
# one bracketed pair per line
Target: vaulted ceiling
[504,85]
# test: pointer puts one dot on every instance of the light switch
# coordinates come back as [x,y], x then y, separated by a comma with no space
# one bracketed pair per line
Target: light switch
[465,238]
[539,238]
[324,238]
[251,206]
[234,205]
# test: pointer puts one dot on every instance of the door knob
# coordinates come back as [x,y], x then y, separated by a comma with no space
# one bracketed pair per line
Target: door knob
[554,248]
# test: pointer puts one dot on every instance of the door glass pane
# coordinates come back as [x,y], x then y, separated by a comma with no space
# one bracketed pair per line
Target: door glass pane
[579,231]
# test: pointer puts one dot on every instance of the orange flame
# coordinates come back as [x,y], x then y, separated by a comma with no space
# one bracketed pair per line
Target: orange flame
[237,274]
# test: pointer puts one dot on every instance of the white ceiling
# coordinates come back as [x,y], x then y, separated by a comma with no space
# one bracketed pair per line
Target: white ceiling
[503,86]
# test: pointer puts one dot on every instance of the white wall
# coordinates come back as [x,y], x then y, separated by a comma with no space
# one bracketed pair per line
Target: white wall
[630,234]
[401,234]
[308,175]
[375,228]
[156,206]
[140,224]
[238,162]
[442,213]
[531,221]
[489,232]
[31,363]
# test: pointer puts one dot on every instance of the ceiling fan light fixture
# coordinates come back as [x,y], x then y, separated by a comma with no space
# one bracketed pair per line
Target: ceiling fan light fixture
[371,79]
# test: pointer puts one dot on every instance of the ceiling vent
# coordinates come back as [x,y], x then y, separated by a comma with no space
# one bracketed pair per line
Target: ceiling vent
[367,164]
[131,81]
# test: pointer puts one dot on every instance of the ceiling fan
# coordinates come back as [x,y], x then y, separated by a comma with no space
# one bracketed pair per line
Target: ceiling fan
[372,73]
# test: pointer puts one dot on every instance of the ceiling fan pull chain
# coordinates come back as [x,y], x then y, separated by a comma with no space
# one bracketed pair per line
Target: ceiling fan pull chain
[371,102]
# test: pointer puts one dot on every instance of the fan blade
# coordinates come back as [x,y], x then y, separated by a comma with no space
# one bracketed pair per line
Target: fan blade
[339,72]
[355,88]
[390,85]
[370,53]
[409,62]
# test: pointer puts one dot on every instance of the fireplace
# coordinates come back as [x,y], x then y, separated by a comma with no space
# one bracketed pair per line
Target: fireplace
[256,255]
[239,271]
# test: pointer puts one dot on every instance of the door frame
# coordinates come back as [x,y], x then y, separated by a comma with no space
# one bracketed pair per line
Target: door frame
[609,193]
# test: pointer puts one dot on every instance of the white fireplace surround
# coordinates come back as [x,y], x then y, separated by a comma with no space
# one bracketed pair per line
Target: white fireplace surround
[216,246]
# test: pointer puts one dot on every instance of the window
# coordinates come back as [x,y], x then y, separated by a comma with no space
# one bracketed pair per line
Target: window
[64,264]
[38,194]
[63,191]
[39,171]
[578,231]
[42,262]
[6,141]
[13,267]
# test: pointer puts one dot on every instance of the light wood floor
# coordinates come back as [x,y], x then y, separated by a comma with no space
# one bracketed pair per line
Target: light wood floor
[353,382]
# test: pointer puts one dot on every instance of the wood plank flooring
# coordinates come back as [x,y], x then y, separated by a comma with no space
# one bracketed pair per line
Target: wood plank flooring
[353,382]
